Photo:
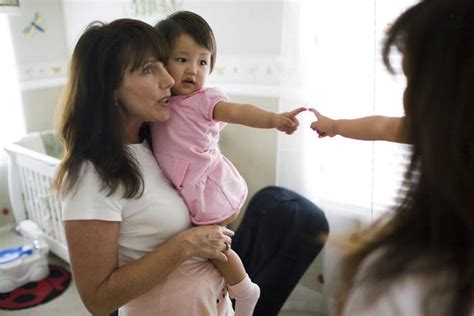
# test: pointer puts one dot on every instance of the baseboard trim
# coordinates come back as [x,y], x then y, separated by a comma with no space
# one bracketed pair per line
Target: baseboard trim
[6,228]
[306,300]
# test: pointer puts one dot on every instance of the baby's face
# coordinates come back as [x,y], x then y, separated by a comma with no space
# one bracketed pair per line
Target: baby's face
[189,65]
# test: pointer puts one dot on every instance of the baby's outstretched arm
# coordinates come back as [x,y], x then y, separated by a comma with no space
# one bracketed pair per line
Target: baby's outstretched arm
[253,116]
[365,128]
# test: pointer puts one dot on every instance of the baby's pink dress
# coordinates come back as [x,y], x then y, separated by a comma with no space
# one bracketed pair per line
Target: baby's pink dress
[186,148]
[189,290]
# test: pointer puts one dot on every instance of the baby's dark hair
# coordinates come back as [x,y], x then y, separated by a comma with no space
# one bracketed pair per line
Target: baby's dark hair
[189,23]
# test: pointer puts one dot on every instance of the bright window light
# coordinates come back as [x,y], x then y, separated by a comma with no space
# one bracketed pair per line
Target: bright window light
[12,125]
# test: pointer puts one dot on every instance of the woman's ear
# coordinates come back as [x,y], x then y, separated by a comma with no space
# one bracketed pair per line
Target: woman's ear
[116,102]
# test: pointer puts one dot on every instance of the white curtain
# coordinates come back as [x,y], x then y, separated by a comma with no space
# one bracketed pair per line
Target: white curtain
[12,123]
[331,61]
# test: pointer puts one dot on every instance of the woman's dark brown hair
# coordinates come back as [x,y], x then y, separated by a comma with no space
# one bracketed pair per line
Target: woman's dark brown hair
[189,23]
[432,230]
[89,122]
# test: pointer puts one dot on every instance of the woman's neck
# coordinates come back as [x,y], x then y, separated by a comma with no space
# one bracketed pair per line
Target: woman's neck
[131,133]
[131,140]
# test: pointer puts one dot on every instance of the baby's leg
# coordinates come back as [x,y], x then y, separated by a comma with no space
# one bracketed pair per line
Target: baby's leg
[241,288]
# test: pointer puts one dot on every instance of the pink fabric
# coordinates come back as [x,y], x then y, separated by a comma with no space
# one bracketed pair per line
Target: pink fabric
[192,289]
[186,148]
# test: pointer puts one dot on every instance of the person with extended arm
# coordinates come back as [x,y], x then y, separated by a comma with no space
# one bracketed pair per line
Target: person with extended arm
[364,128]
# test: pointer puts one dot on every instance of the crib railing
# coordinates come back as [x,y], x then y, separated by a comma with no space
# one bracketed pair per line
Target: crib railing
[30,175]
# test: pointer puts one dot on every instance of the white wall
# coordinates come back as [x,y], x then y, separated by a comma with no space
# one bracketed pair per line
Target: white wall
[242,26]
[41,58]
[252,151]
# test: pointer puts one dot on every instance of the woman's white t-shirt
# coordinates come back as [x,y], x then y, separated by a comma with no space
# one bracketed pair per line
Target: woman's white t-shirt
[146,222]
[194,288]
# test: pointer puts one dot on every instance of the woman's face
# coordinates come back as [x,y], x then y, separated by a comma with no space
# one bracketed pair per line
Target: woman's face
[143,94]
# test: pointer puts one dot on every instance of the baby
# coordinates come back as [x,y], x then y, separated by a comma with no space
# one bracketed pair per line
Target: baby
[186,146]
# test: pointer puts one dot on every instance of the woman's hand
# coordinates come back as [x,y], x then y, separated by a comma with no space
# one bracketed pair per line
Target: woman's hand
[208,241]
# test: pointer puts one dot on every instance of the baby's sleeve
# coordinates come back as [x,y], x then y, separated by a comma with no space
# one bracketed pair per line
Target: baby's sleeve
[211,97]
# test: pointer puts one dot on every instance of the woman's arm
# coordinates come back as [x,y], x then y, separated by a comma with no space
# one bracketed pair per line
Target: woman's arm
[365,128]
[253,116]
[104,286]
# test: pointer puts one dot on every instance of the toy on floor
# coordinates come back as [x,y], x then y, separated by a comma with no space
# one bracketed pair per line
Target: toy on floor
[23,264]
[36,293]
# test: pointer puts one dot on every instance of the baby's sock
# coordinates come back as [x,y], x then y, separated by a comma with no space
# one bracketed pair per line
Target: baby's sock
[246,295]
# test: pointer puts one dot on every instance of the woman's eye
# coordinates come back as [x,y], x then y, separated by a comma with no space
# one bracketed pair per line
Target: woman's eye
[148,69]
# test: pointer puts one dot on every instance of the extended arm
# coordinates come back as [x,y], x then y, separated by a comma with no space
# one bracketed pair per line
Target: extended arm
[253,116]
[365,128]
[104,286]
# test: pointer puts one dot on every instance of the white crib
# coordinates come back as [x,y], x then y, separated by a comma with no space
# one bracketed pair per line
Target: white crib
[32,164]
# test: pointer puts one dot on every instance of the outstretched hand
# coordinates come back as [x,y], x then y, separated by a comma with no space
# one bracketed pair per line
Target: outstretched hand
[324,125]
[287,121]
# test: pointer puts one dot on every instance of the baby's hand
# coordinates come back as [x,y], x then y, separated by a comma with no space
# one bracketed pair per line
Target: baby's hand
[287,122]
[324,126]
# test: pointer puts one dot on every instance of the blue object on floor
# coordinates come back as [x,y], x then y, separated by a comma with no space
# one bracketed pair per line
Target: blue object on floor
[23,264]
[9,255]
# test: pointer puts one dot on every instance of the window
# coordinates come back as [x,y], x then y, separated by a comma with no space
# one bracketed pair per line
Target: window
[332,61]
[11,112]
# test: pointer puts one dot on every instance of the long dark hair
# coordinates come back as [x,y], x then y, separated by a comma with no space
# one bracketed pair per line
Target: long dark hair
[89,122]
[192,24]
[433,228]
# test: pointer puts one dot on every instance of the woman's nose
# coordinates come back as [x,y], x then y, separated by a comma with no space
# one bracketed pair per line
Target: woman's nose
[166,81]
